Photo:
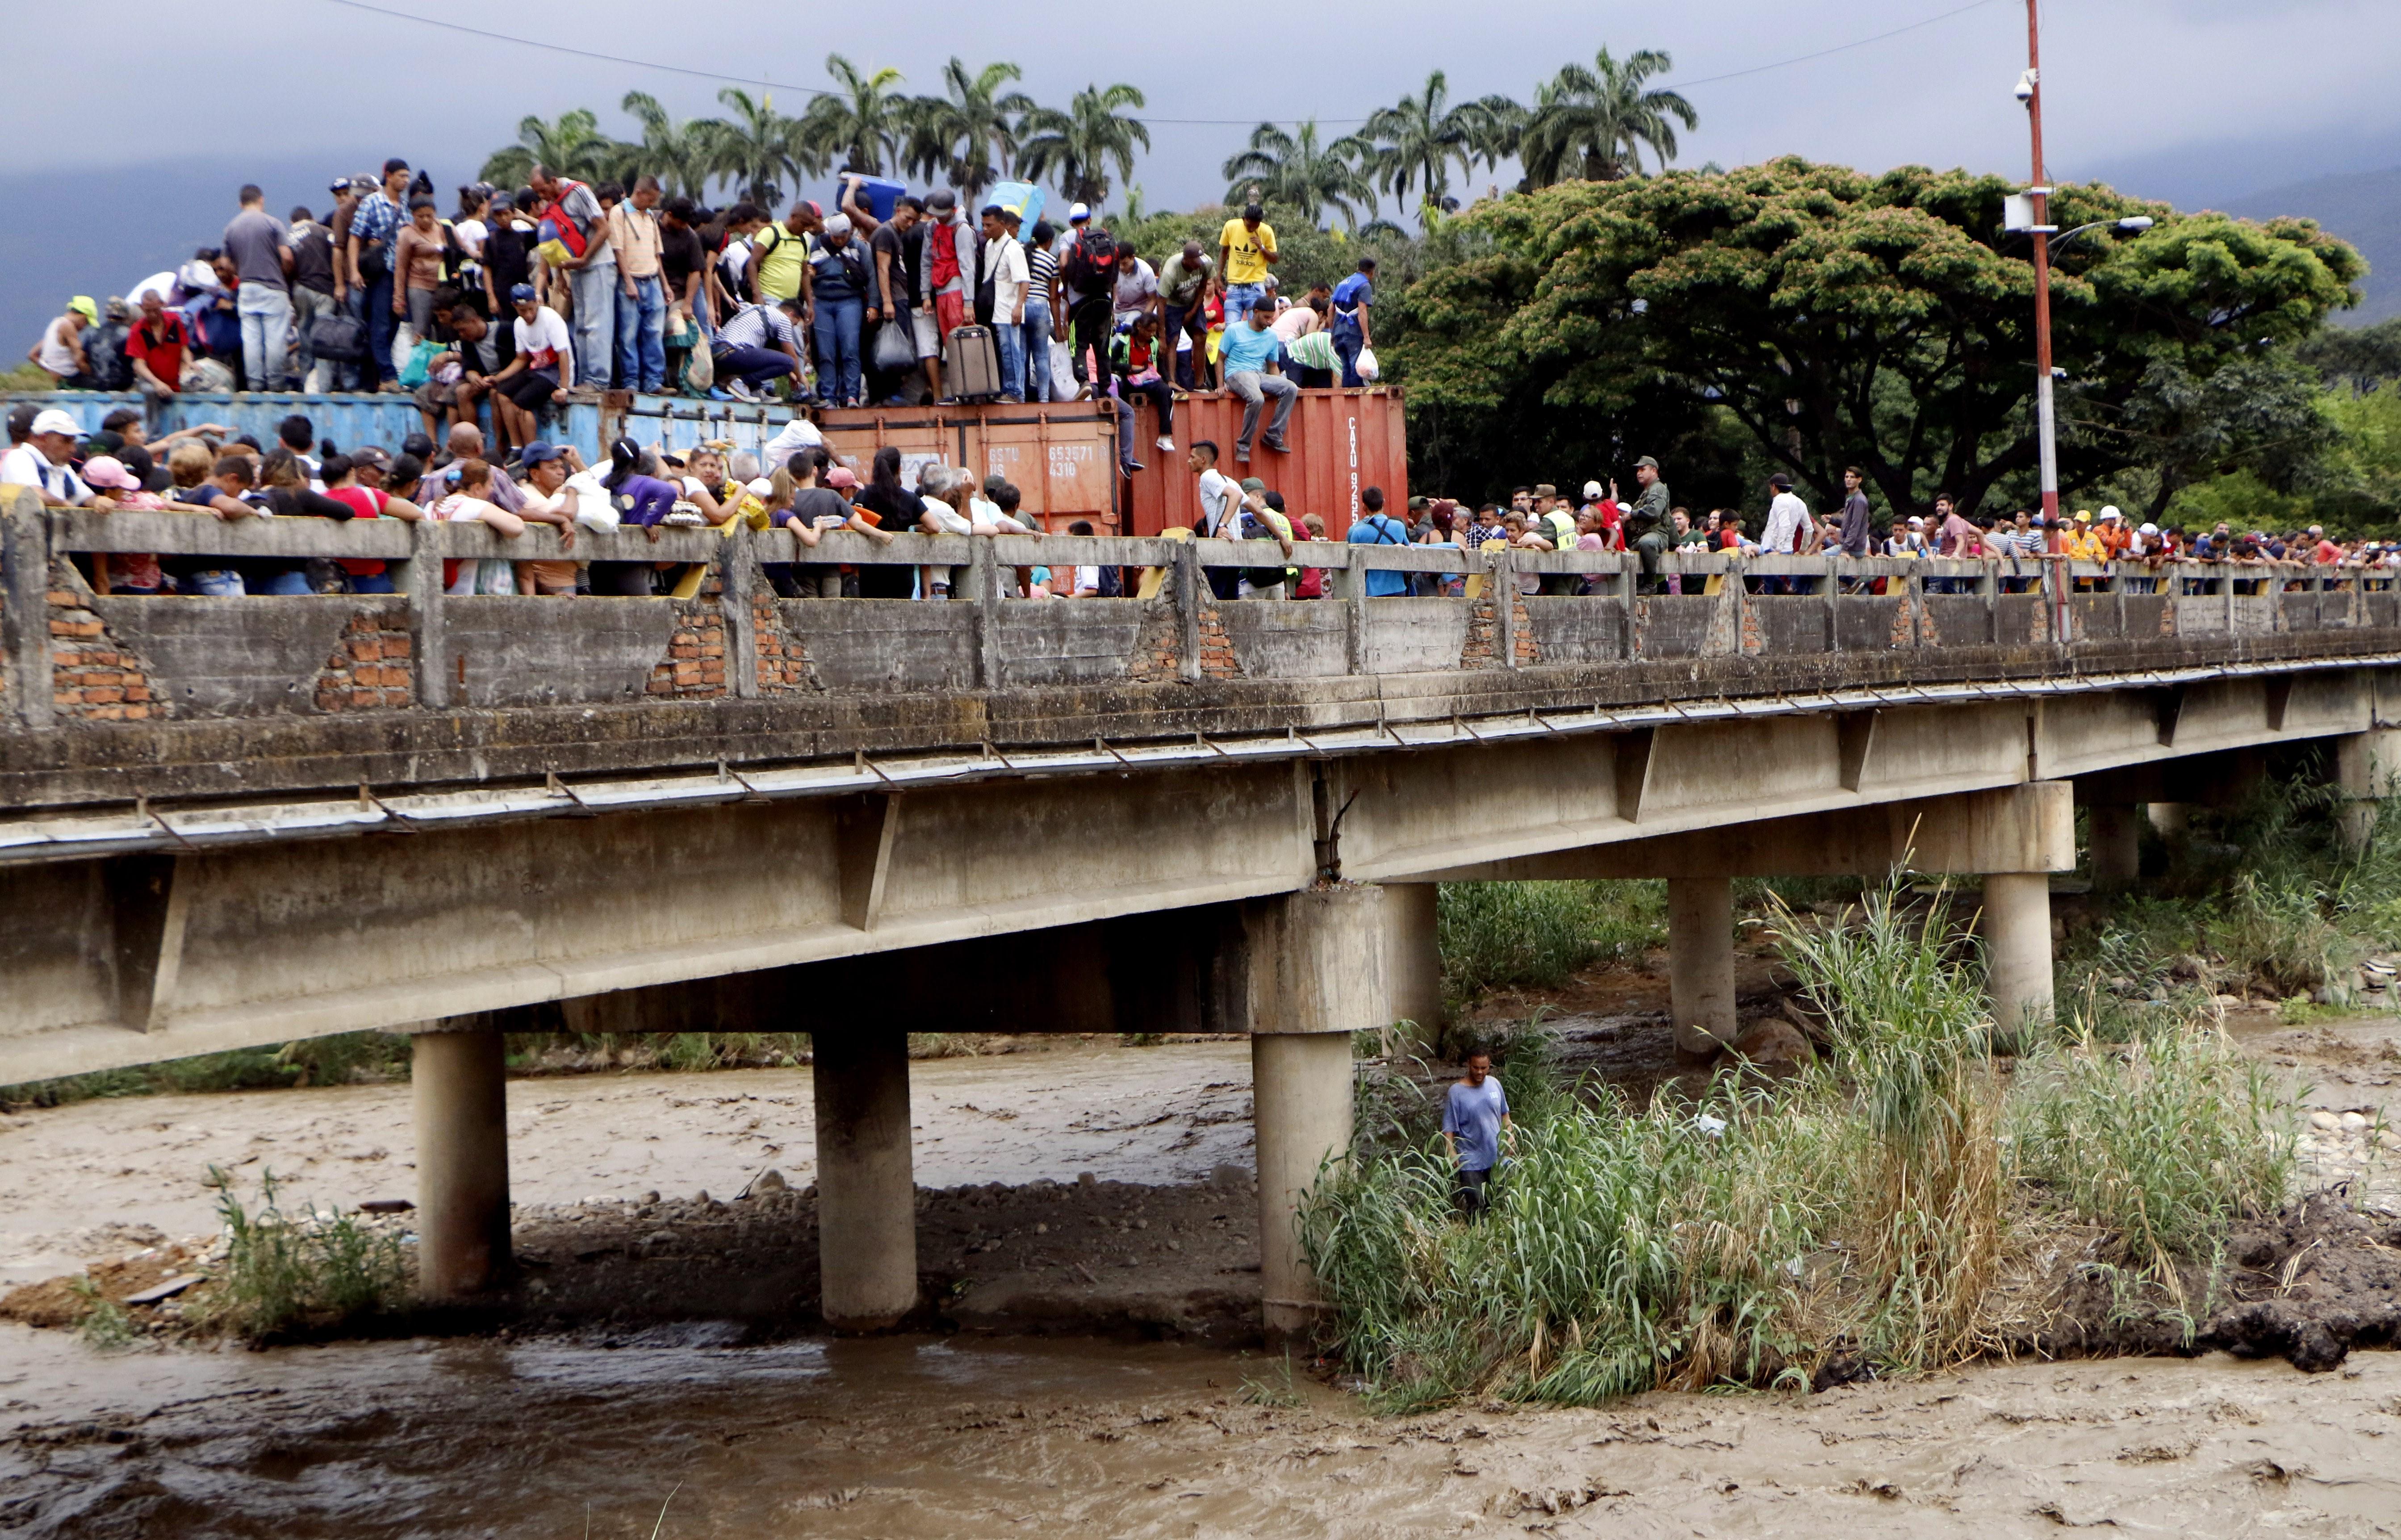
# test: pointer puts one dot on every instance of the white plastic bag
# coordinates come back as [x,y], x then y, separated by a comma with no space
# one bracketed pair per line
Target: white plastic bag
[1366,368]
[404,347]
[593,508]
[1062,372]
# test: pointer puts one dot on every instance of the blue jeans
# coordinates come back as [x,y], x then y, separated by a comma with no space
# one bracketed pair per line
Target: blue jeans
[595,327]
[265,333]
[836,338]
[1240,298]
[752,367]
[1036,344]
[641,336]
[1347,347]
[380,326]
[1008,338]
[371,583]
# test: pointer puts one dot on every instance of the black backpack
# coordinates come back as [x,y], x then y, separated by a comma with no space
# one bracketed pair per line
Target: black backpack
[1255,527]
[1093,265]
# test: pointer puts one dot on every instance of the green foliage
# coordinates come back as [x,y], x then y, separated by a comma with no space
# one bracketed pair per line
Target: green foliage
[311,1061]
[1295,170]
[1596,123]
[1076,148]
[1841,318]
[104,1323]
[286,1272]
[1536,934]
[2356,484]
[2164,1141]
[1752,1237]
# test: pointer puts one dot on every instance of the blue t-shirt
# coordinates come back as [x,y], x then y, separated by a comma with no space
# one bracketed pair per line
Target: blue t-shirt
[1349,295]
[1248,349]
[1472,1115]
[1381,530]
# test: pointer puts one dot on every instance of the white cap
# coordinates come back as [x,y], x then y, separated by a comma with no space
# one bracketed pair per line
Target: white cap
[2110,511]
[762,487]
[1076,212]
[55,421]
[2148,529]
[1592,489]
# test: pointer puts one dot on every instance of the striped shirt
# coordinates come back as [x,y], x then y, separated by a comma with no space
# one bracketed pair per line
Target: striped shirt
[1041,267]
[759,326]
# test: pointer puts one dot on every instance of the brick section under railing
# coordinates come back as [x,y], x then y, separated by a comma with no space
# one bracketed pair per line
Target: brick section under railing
[91,676]
[372,671]
[1218,659]
[695,663]
[783,662]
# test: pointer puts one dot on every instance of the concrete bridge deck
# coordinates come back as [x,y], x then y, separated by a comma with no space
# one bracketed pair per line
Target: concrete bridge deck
[236,822]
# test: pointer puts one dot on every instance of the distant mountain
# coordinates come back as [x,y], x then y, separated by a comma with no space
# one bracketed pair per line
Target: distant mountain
[2365,208]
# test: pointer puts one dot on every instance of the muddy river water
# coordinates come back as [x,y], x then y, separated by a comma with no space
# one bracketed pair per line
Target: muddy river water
[594,1432]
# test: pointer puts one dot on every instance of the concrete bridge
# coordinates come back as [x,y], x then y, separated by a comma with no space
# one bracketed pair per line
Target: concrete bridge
[237,821]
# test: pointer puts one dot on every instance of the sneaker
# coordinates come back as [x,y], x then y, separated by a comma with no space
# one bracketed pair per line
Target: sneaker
[1167,444]
[1241,457]
[1133,467]
[1277,444]
[741,391]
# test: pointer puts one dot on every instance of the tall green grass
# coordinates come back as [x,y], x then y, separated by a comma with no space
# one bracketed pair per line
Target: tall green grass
[1866,1211]
[287,1271]
[1495,935]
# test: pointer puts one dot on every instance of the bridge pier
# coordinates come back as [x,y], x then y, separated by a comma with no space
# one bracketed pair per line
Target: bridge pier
[1315,966]
[460,1095]
[2366,765]
[1413,955]
[2017,950]
[2117,845]
[866,1192]
[1700,962]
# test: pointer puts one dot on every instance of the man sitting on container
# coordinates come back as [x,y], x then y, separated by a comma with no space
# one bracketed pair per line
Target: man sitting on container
[541,374]
[1249,352]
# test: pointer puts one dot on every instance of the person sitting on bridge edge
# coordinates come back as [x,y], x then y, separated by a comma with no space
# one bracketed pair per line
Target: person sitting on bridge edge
[1475,1116]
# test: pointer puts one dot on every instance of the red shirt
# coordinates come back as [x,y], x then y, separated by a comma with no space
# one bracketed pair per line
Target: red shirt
[369,504]
[164,355]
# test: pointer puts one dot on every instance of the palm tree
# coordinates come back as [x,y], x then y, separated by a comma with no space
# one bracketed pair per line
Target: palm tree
[756,149]
[1596,123]
[1077,147]
[675,153]
[1294,169]
[970,134]
[862,123]
[573,147]
[1422,135]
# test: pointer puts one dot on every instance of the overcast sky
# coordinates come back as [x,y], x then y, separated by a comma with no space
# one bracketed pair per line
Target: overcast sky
[94,82]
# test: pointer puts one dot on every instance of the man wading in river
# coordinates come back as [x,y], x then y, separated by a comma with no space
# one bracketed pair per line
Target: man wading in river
[1473,1116]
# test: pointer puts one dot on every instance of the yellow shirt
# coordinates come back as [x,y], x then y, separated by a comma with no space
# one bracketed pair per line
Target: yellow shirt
[1246,253]
[2083,545]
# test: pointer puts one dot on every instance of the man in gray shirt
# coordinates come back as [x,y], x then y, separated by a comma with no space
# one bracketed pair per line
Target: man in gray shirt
[260,249]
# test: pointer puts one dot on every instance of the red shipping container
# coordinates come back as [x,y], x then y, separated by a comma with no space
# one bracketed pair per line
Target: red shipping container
[1343,442]
[1061,456]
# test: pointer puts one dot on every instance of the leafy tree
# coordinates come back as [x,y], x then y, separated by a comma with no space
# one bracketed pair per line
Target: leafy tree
[1418,137]
[2357,479]
[757,148]
[861,124]
[1840,318]
[1596,123]
[968,135]
[2360,358]
[2258,412]
[678,154]
[1077,147]
[573,147]
[1294,170]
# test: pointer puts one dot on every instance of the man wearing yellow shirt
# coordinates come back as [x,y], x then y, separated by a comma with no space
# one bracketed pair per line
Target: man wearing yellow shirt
[2079,543]
[1247,249]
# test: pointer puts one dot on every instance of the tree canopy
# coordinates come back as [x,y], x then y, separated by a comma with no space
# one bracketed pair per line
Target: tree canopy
[1846,318]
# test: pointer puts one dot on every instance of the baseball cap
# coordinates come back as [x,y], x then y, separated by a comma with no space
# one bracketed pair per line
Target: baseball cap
[82,306]
[2148,529]
[1253,484]
[110,472]
[368,455]
[1646,460]
[1078,213]
[761,487]
[539,453]
[2083,515]
[520,293]
[341,184]
[1593,489]
[52,421]
[1543,488]
[837,226]
[842,478]
[116,308]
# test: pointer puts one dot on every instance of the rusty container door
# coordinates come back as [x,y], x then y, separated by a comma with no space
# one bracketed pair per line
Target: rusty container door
[1340,442]
[1061,456]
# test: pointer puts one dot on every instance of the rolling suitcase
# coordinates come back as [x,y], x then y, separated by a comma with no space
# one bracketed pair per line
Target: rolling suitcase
[971,364]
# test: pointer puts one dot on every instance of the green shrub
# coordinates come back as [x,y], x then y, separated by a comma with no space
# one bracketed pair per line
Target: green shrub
[1537,934]
[286,1272]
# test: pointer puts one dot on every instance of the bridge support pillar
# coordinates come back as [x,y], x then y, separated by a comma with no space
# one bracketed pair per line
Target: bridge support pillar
[1413,955]
[2017,950]
[2366,766]
[1316,974]
[1700,962]
[2117,835]
[463,1163]
[866,1193]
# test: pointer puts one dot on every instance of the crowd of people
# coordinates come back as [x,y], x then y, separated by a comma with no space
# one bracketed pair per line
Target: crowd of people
[524,298]
[798,482]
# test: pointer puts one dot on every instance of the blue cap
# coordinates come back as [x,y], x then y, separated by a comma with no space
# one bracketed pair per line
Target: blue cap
[520,293]
[538,453]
